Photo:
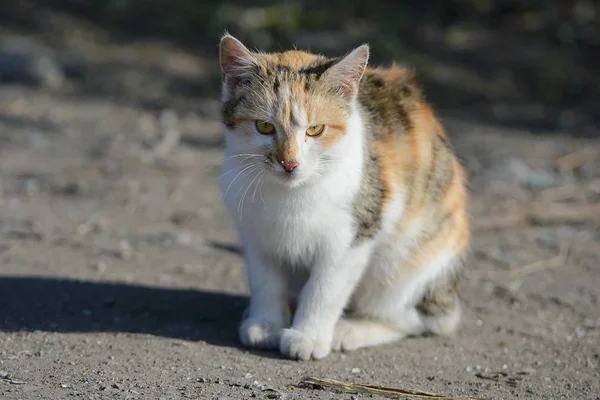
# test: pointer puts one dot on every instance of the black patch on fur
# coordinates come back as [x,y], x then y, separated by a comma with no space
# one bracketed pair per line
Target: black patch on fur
[376,81]
[440,300]
[318,69]
[281,68]
[441,172]
[367,204]
[228,110]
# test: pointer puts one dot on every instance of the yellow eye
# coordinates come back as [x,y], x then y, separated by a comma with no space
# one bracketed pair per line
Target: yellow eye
[264,127]
[315,130]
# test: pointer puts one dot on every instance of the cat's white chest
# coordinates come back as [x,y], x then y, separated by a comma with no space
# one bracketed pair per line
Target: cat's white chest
[295,230]
[296,226]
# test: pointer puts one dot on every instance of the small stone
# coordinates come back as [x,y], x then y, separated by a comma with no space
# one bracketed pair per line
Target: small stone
[116,386]
[31,186]
[126,250]
[469,369]
[355,370]
[23,62]
[99,266]
[479,322]
[65,385]
[201,380]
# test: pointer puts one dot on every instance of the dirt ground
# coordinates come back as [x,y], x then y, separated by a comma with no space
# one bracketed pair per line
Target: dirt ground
[121,275]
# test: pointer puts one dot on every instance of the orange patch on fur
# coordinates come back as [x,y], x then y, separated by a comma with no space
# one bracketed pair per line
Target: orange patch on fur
[295,59]
[394,162]
[433,122]
[286,149]
[432,248]
[332,136]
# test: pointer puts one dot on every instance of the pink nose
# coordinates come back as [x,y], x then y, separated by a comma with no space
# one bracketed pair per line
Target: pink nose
[289,165]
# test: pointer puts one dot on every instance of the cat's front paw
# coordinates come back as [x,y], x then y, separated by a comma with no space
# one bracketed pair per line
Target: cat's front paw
[260,334]
[298,345]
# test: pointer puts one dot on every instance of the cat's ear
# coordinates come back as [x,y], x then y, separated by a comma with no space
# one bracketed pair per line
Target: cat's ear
[237,62]
[346,73]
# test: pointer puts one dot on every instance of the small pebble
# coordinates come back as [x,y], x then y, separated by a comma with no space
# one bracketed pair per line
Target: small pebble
[31,186]
[479,322]
[356,370]
[99,266]
[126,251]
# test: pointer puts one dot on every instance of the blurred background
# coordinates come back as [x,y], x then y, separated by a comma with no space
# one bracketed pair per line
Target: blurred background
[112,225]
[524,63]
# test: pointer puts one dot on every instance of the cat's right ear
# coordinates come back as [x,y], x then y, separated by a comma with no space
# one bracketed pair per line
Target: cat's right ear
[237,62]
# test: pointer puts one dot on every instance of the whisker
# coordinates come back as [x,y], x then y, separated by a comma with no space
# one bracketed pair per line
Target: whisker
[232,170]
[258,183]
[242,155]
[241,203]
[231,183]
[220,163]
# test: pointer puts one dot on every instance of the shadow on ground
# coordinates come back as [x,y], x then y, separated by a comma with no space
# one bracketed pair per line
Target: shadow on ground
[63,305]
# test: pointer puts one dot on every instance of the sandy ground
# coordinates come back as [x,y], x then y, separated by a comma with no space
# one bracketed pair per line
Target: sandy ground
[121,275]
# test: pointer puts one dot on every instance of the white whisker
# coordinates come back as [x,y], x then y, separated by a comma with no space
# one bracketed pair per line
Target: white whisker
[231,183]
[258,183]
[241,203]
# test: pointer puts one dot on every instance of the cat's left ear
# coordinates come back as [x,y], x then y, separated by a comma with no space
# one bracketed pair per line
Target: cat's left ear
[237,62]
[346,73]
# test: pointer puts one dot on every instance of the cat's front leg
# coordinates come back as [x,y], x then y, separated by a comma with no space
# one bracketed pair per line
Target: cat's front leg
[268,312]
[321,302]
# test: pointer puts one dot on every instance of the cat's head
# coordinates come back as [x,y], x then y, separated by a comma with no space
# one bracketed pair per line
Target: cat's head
[286,112]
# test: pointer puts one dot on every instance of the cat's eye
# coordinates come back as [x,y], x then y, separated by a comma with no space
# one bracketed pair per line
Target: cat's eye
[315,130]
[264,127]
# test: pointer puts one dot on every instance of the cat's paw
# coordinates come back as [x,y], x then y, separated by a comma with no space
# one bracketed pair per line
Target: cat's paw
[260,334]
[298,345]
[345,337]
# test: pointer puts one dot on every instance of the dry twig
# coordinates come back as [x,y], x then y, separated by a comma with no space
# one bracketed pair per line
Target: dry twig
[575,159]
[394,393]
[541,213]
[555,262]
[569,191]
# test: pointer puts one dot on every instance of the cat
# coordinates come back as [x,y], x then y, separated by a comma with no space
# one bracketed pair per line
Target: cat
[347,197]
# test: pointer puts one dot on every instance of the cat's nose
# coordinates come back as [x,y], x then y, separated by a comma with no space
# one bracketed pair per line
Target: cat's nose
[289,166]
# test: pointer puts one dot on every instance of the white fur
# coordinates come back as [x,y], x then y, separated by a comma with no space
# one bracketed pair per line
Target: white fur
[310,225]
[298,233]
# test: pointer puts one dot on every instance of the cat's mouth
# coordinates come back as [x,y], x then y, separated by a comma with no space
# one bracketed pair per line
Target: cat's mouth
[290,179]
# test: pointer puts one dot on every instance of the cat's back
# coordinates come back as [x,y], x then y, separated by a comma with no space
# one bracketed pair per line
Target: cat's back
[394,101]
[412,151]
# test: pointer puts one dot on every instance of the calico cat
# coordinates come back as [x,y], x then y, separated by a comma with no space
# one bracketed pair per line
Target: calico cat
[347,198]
